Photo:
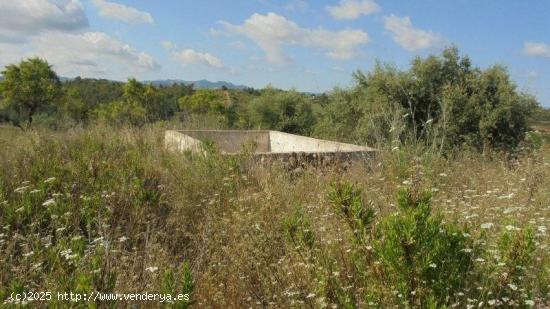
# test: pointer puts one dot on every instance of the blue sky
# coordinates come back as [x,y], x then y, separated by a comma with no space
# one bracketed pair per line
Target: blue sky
[308,45]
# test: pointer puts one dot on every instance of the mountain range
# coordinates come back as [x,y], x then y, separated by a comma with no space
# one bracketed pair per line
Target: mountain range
[203,83]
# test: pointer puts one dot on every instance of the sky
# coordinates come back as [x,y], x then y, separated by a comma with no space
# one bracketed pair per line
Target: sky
[311,46]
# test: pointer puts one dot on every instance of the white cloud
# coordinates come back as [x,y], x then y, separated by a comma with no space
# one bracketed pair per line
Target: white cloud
[238,45]
[272,32]
[353,9]
[87,54]
[168,45]
[20,19]
[116,11]
[296,5]
[189,56]
[537,49]
[407,36]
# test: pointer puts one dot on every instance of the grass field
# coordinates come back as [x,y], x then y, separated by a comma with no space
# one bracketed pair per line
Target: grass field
[108,210]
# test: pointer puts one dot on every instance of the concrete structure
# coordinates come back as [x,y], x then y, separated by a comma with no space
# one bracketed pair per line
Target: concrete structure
[266,144]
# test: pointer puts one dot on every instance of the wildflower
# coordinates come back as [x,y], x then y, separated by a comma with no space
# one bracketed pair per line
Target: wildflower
[50,180]
[35,191]
[49,202]
[512,286]
[480,260]
[541,229]
[28,254]
[20,209]
[432,265]
[59,230]
[487,225]
[511,228]
[310,295]
[529,303]
[443,175]
[21,189]
[123,239]
[151,269]
[491,302]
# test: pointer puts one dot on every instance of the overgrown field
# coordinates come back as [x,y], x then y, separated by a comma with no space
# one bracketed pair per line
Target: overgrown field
[105,210]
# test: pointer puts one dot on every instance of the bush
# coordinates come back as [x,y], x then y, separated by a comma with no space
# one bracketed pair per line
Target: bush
[121,113]
[289,112]
[424,259]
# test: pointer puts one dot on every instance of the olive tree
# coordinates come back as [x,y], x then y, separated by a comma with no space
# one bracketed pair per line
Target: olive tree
[28,88]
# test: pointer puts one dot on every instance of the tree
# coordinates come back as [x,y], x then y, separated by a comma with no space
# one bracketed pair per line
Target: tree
[287,111]
[203,101]
[119,113]
[28,88]
[447,102]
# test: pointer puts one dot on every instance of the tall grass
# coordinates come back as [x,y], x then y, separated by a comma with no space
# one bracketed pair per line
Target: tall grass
[101,209]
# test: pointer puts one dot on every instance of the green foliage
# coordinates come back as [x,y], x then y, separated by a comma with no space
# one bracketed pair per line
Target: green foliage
[121,113]
[177,283]
[298,229]
[424,258]
[28,88]
[290,112]
[448,103]
[348,199]
[203,101]
[516,250]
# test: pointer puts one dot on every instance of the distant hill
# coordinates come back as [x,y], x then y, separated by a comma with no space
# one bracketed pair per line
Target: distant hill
[203,83]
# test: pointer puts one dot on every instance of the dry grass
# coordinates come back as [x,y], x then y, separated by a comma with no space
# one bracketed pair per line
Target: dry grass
[132,214]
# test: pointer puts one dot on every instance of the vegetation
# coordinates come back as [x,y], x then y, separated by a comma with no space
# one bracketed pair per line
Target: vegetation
[444,216]
[28,88]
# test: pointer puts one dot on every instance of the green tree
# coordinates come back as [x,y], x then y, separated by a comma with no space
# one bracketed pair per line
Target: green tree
[287,111]
[446,102]
[120,113]
[203,101]
[28,88]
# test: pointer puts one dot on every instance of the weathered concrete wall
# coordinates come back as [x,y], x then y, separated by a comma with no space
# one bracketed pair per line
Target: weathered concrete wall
[284,142]
[174,140]
[229,141]
[268,144]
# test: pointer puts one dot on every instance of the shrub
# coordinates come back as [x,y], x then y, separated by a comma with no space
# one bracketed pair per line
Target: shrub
[424,259]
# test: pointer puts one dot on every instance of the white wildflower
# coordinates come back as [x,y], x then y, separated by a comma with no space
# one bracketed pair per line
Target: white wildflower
[512,286]
[28,254]
[310,295]
[487,225]
[432,265]
[50,180]
[35,191]
[511,228]
[49,202]
[529,303]
[151,269]
[21,189]
[122,239]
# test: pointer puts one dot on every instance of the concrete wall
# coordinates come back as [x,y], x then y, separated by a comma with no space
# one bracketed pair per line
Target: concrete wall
[229,141]
[284,142]
[264,142]
[174,140]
